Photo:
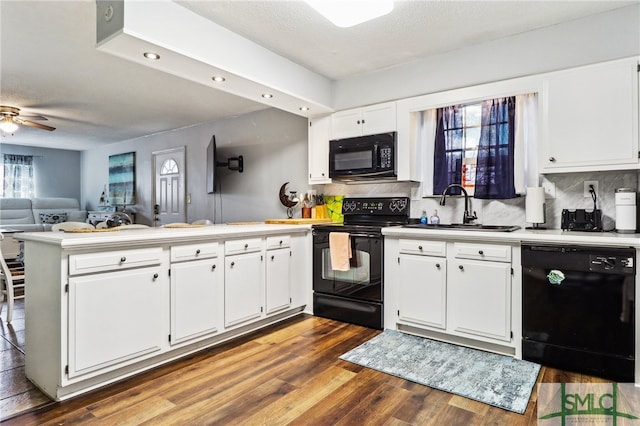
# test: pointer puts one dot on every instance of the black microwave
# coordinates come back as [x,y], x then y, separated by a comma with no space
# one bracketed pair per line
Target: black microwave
[363,157]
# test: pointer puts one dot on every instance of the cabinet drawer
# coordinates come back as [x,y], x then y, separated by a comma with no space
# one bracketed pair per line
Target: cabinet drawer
[114,260]
[194,251]
[242,246]
[496,253]
[277,242]
[422,247]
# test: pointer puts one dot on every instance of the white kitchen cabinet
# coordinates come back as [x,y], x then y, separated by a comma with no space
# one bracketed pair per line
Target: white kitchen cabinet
[480,298]
[422,290]
[590,118]
[243,281]
[369,120]
[319,135]
[277,281]
[115,318]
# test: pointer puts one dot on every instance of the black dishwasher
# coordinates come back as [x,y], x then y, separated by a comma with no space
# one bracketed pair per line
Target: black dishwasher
[578,309]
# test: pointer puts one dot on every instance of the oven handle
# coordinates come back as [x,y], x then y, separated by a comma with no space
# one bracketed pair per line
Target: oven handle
[365,235]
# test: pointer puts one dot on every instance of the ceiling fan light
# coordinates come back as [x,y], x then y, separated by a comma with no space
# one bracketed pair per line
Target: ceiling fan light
[347,13]
[7,125]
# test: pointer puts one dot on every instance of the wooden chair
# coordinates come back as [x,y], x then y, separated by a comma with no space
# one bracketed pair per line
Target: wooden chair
[11,279]
[71,225]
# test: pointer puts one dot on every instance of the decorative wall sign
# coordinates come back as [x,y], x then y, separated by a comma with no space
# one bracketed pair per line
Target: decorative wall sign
[122,178]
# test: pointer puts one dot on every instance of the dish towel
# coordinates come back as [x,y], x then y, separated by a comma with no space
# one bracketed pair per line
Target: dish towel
[340,250]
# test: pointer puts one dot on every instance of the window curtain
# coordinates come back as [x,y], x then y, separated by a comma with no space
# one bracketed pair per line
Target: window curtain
[447,158]
[495,162]
[18,176]
[526,141]
[423,128]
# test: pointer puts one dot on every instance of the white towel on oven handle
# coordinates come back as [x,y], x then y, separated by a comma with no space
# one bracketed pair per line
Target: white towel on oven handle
[340,251]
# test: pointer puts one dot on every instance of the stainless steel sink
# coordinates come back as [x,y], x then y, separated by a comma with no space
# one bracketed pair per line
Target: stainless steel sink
[464,227]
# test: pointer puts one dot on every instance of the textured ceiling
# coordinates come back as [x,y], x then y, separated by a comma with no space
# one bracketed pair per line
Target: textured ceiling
[49,64]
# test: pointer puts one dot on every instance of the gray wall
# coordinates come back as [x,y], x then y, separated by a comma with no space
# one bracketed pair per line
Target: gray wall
[57,172]
[272,142]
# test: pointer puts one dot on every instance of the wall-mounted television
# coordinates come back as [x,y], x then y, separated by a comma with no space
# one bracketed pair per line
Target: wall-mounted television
[212,162]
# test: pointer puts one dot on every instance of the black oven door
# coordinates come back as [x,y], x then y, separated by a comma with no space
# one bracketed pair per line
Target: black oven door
[363,280]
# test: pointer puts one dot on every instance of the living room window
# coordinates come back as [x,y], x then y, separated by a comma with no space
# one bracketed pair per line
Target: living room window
[18,180]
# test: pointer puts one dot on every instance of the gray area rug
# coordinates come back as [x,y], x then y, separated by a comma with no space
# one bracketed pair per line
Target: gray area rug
[493,379]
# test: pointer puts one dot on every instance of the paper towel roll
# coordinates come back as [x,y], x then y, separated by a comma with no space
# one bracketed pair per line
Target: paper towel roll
[534,205]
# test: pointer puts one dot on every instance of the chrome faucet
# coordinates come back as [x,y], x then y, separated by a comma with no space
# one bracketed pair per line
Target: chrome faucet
[467,217]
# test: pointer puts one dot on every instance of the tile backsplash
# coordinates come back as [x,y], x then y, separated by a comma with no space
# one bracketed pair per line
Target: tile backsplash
[569,195]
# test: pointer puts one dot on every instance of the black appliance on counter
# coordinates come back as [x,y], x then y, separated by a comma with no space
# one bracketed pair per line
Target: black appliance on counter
[581,220]
[357,295]
[578,309]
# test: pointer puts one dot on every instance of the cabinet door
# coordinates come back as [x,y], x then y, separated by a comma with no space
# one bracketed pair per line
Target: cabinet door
[115,318]
[590,118]
[243,288]
[480,298]
[422,290]
[194,299]
[278,282]
[319,150]
[346,124]
[379,118]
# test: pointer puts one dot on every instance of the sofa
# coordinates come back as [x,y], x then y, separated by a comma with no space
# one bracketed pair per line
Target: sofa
[39,214]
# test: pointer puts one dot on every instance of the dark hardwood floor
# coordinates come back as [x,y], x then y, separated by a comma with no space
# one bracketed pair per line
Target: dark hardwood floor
[287,374]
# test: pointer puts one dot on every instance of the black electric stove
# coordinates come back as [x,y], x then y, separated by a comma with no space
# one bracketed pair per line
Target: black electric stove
[356,296]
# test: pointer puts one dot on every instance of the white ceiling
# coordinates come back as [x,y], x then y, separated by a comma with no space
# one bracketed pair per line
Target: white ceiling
[49,64]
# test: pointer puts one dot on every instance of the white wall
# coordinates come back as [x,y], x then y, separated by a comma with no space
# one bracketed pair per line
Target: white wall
[274,146]
[593,39]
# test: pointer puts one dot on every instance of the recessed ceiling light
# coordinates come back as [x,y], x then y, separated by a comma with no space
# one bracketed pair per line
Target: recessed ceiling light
[151,55]
[304,108]
[218,79]
[267,95]
[349,13]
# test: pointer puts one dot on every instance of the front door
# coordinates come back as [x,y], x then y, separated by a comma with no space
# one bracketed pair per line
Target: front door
[169,193]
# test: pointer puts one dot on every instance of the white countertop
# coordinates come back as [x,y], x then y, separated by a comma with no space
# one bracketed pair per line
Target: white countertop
[555,236]
[155,236]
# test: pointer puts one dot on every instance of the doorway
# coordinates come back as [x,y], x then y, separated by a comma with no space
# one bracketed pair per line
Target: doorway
[169,186]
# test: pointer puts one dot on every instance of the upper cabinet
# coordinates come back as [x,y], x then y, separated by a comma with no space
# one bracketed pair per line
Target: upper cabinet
[369,120]
[319,130]
[590,118]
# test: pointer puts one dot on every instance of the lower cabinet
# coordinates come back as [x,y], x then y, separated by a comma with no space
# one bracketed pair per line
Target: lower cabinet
[243,288]
[452,288]
[115,318]
[480,298]
[422,290]
[277,280]
[195,297]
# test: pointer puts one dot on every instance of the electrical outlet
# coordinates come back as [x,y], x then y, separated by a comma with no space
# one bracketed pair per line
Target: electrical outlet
[587,187]
[549,189]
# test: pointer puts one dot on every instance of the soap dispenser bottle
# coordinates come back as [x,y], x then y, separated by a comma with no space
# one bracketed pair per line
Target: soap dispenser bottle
[423,218]
[435,219]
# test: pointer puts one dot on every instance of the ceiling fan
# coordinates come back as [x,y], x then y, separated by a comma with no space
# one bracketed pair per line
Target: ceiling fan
[10,119]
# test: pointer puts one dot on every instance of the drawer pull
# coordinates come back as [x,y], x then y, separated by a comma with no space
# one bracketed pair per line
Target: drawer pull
[213,267]
[552,159]
[197,252]
[123,259]
[461,267]
[280,242]
[481,253]
[233,263]
[272,257]
[438,265]
[420,248]
[246,246]
[155,276]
